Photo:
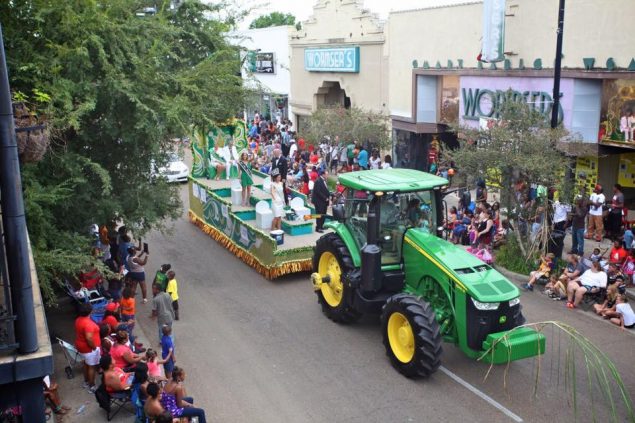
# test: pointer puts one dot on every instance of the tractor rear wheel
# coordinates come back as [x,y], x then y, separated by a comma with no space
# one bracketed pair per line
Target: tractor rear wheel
[411,335]
[332,261]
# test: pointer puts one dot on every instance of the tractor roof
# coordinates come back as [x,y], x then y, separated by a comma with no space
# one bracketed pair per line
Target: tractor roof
[403,180]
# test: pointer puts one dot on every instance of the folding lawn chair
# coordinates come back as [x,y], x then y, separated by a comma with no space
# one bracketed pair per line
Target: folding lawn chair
[113,402]
[73,357]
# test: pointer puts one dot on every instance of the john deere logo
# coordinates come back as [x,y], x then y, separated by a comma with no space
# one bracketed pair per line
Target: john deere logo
[502,320]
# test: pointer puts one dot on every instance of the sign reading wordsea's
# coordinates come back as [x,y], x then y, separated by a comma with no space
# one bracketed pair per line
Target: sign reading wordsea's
[339,59]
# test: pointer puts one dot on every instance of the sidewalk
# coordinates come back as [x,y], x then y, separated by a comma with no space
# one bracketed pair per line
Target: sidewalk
[84,407]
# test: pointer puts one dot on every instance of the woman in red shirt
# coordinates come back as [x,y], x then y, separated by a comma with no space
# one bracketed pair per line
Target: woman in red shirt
[115,379]
[88,343]
[121,353]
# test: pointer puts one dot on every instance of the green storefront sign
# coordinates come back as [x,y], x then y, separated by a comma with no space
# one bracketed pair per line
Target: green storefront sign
[339,59]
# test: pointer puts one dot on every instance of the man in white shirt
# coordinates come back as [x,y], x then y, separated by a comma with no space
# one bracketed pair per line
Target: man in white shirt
[343,157]
[560,215]
[627,126]
[293,149]
[596,222]
[230,156]
[335,157]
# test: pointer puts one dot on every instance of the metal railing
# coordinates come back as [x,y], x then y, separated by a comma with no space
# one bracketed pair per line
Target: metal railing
[7,335]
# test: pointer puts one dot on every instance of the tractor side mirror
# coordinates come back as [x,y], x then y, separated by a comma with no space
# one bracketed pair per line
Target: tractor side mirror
[339,214]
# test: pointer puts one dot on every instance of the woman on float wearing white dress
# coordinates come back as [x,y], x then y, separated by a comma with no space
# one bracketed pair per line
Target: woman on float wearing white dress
[277,199]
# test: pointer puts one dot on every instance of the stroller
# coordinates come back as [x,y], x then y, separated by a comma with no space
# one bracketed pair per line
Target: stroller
[73,357]
[85,295]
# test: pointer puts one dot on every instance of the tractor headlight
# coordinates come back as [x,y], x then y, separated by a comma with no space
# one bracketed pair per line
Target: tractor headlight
[485,306]
[514,302]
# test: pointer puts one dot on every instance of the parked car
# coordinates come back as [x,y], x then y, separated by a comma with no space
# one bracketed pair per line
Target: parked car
[174,170]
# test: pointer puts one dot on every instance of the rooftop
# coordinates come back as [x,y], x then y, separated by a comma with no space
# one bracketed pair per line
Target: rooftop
[403,180]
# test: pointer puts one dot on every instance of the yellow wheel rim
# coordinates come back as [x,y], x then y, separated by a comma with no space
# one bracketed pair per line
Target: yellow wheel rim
[401,337]
[331,291]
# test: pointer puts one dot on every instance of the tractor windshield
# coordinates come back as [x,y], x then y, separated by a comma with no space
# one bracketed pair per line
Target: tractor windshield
[398,212]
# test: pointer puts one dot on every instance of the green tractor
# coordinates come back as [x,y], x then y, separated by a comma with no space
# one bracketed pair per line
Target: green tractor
[386,255]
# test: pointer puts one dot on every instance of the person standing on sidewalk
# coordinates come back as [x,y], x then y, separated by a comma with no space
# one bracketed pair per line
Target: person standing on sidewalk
[162,308]
[88,344]
[136,272]
[596,223]
[161,276]
[173,290]
[577,227]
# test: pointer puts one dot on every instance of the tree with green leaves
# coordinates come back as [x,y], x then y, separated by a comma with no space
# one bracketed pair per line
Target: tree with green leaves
[273,19]
[516,150]
[352,124]
[115,86]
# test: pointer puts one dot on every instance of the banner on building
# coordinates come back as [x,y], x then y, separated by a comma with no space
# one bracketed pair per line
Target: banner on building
[493,47]
[626,172]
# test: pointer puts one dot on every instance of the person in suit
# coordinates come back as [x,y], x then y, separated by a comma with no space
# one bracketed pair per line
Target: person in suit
[279,162]
[320,198]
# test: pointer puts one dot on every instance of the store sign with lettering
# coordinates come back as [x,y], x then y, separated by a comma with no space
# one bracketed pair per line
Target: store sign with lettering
[483,97]
[340,59]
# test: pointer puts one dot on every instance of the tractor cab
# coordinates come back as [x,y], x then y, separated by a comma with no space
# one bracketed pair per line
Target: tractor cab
[392,211]
[386,256]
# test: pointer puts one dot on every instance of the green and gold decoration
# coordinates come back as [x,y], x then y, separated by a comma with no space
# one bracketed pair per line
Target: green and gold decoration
[211,210]
[285,263]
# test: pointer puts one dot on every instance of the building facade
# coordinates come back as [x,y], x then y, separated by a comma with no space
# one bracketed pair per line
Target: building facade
[267,70]
[435,79]
[338,58]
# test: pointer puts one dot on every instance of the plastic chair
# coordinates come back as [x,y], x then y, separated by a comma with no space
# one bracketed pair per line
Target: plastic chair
[297,204]
[264,215]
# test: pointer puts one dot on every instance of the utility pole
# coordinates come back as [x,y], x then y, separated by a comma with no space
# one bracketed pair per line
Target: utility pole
[558,64]
[14,221]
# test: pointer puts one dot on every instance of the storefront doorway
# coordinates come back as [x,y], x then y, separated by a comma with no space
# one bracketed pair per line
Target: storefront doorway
[331,94]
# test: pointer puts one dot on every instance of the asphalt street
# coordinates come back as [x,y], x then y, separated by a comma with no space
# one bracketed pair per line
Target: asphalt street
[262,351]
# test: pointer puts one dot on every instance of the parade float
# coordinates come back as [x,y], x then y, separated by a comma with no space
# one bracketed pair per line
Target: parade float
[215,207]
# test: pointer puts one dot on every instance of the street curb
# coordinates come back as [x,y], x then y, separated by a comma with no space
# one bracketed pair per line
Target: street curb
[513,276]
[518,278]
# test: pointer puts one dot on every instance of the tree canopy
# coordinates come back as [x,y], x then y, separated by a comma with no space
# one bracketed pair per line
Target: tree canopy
[514,151]
[115,86]
[273,19]
[352,124]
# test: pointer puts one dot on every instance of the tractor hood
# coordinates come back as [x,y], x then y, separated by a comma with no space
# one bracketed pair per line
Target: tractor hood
[480,280]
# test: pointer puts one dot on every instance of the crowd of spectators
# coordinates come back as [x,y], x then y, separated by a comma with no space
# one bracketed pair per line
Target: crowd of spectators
[603,276]
[109,347]
[274,148]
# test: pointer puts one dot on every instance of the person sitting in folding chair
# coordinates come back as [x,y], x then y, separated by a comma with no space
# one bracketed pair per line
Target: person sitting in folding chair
[592,281]
[115,379]
[114,392]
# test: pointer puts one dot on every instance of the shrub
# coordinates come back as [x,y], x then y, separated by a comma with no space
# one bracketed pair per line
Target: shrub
[511,258]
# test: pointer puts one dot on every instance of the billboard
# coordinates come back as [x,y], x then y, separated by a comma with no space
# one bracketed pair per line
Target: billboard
[265,63]
[493,47]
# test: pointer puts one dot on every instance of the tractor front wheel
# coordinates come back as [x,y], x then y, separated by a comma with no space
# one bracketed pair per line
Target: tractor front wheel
[331,262]
[411,335]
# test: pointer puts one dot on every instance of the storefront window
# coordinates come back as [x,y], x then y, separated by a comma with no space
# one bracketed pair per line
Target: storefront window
[449,107]
[410,150]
